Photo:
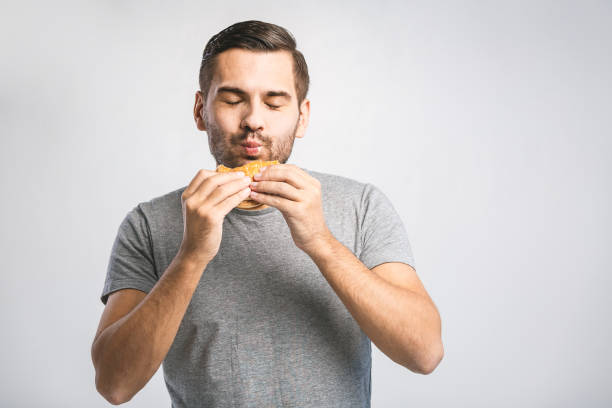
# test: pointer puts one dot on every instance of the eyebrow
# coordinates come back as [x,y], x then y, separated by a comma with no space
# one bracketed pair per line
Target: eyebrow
[239,91]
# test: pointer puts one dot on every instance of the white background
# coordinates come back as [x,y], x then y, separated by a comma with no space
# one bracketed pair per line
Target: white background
[487,124]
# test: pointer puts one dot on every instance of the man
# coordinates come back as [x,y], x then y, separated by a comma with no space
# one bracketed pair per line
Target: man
[268,307]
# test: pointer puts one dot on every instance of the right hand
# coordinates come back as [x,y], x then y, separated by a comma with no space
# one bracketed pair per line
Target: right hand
[205,202]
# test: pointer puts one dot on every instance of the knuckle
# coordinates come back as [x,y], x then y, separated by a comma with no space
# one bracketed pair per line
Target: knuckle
[224,189]
[190,204]
[208,181]
[203,213]
[203,174]
[209,184]
[212,216]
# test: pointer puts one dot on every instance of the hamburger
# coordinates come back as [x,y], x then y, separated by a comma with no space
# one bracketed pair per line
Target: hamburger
[250,170]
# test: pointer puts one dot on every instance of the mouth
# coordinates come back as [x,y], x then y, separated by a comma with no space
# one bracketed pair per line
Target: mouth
[251,148]
[251,151]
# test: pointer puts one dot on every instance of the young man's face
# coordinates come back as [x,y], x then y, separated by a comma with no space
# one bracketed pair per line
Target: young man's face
[252,101]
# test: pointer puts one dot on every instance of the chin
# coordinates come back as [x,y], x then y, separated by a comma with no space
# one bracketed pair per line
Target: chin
[258,157]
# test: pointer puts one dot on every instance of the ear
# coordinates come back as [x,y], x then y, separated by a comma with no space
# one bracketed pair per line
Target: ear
[198,110]
[304,117]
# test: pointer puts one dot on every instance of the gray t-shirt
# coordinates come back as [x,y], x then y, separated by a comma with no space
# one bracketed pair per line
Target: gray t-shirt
[263,328]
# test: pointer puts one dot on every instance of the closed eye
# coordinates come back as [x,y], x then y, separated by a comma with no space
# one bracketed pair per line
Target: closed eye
[237,102]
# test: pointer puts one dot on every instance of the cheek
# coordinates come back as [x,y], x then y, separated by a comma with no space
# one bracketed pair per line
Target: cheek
[226,120]
[284,123]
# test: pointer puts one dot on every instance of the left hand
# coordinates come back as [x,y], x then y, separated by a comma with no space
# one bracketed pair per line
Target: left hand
[297,195]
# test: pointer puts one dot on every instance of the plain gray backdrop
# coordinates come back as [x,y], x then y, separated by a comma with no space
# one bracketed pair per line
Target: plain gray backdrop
[487,124]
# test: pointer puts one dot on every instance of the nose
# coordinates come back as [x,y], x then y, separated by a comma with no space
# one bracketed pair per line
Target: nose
[253,118]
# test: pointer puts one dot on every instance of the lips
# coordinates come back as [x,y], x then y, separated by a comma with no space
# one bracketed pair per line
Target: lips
[251,144]
[252,151]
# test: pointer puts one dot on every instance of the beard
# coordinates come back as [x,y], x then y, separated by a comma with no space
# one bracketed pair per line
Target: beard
[226,149]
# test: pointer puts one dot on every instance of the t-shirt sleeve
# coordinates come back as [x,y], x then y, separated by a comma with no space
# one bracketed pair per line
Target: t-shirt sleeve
[383,236]
[131,264]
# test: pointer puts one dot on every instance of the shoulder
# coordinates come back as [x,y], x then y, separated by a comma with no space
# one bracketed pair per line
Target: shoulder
[346,192]
[160,209]
[336,185]
[169,199]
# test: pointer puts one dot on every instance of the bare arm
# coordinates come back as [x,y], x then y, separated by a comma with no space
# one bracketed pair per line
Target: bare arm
[403,323]
[388,302]
[135,335]
[127,353]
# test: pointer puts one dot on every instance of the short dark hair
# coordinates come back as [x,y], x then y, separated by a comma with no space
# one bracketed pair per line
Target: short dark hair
[257,36]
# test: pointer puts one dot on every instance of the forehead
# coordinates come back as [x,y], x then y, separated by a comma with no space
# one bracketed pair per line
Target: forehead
[254,71]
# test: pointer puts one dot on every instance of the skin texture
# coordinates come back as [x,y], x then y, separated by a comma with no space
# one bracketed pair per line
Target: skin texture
[243,104]
[388,302]
[137,329]
[249,113]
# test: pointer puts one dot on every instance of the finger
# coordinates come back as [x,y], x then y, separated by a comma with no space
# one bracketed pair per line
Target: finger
[284,172]
[225,190]
[210,184]
[200,176]
[303,174]
[279,188]
[282,204]
[233,200]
